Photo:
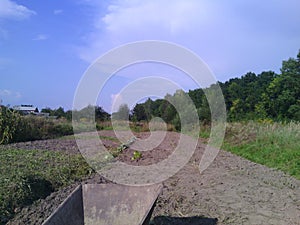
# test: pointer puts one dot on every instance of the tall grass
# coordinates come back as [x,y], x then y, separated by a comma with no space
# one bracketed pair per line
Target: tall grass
[16,128]
[275,145]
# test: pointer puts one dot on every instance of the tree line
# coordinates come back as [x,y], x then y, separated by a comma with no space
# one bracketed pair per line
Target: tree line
[88,112]
[264,96]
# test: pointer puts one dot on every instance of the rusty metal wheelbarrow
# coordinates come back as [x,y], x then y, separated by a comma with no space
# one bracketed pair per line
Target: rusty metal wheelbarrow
[107,204]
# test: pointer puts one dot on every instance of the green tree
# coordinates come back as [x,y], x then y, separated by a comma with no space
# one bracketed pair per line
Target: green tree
[59,113]
[123,113]
[139,112]
[47,110]
[282,97]
[101,114]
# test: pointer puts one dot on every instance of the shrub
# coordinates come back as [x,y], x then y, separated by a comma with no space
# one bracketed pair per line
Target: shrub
[17,128]
[9,124]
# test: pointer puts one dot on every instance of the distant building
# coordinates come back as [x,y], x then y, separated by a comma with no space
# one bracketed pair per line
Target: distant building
[25,109]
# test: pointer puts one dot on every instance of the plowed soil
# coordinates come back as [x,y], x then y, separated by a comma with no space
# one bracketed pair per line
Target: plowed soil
[231,190]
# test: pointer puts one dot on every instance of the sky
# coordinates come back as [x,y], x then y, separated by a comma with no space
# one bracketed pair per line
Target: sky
[46,46]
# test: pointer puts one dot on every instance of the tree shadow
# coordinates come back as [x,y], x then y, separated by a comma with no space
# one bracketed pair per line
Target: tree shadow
[194,220]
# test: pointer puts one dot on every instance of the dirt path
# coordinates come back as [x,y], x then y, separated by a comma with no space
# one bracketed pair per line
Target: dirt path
[231,191]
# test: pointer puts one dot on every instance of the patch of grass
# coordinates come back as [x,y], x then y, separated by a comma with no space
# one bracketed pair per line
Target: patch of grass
[204,131]
[275,145]
[28,175]
[104,125]
[143,126]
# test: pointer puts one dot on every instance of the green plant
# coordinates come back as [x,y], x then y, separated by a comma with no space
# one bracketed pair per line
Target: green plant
[136,155]
[122,147]
[9,124]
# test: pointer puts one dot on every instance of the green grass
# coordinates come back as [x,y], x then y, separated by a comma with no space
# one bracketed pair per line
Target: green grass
[275,145]
[28,175]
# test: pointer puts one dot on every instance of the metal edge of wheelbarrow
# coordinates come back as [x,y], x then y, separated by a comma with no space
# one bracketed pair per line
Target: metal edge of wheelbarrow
[70,211]
[79,206]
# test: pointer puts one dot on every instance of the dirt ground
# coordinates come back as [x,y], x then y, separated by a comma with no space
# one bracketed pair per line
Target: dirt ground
[231,190]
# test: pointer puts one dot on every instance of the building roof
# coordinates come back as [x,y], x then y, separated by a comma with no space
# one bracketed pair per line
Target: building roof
[24,107]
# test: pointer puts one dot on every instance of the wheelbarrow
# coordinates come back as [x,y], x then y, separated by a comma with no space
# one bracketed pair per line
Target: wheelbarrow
[107,204]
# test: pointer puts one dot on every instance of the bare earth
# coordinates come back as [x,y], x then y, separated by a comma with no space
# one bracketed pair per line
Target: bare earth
[231,191]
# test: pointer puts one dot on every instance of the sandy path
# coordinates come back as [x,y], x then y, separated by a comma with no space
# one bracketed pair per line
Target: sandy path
[233,190]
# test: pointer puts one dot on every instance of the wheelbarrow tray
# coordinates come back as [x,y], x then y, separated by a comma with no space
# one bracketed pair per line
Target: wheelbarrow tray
[107,204]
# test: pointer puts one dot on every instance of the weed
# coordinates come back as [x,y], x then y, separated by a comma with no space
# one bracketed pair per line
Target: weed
[136,155]
[122,147]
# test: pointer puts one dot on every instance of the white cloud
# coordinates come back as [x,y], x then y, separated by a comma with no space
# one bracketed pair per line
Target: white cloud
[220,33]
[127,21]
[11,10]
[58,11]
[40,37]
[172,17]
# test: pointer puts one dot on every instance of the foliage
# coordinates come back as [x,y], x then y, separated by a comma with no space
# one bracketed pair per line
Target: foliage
[281,99]
[272,144]
[17,128]
[139,113]
[59,112]
[35,128]
[122,114]
[90,113]
[122,147]
[136,155]
[9,124]
[28,175]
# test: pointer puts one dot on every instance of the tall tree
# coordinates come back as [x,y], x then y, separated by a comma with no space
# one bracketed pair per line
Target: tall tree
[139,112]
[123,113]
[282,97]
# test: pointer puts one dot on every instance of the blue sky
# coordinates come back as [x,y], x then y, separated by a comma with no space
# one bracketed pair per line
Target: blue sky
[46,46]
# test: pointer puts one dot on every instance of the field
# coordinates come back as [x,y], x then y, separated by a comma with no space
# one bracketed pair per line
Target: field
[231,191]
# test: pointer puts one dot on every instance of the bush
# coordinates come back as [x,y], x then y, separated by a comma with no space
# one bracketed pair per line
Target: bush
[17,128]
[9,124]
[36,128]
